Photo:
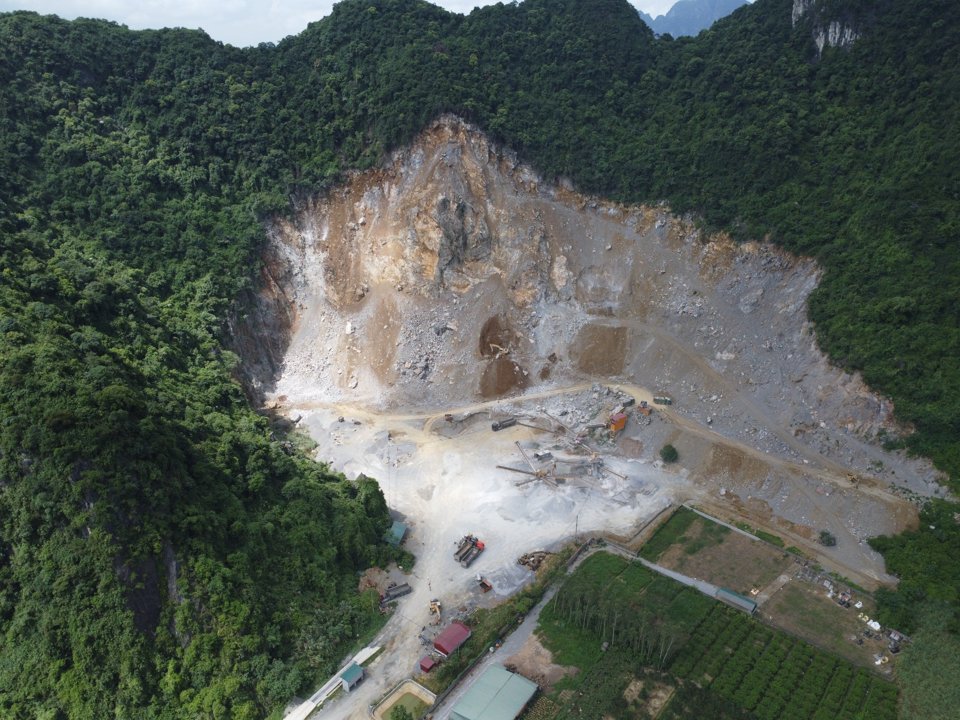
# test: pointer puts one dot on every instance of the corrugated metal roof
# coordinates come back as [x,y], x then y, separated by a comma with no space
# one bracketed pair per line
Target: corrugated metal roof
[496,695]
[740,601]
[452,637]
[352,673]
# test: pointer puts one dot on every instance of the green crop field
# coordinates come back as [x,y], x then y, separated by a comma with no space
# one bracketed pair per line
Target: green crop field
[712,655]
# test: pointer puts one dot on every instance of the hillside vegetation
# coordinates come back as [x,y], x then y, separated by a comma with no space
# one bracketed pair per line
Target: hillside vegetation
[162,554]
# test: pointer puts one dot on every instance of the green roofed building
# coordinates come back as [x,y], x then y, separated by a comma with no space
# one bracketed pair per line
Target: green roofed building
[351,677]
[396,533]
[736,600]
[498,694]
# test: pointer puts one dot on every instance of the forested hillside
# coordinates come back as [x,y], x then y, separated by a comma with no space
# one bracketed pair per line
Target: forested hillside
[161,553]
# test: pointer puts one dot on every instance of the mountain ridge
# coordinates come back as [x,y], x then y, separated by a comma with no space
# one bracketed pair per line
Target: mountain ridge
[689,17]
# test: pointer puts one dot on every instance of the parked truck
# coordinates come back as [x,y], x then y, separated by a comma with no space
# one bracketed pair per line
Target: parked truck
[393,593]
[465,545]
[472,554]
[503,424]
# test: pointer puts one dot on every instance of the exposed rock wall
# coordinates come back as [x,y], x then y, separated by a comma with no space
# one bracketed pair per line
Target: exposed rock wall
[455,273]
[840,32]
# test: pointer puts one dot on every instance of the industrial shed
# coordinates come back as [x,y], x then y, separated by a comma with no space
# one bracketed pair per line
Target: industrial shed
[351,677]
[498,694]
[736,600]
[452,637]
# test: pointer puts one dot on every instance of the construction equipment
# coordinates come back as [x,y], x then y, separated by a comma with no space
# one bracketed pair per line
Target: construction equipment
[472,554]
[618,421]
[435,610]
[663,400]
[466,542]
[533,560]
[394,592]
[485,585]
[549,476]
[503,424]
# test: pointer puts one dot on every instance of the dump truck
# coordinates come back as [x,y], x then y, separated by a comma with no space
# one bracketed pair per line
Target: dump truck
[485,585]
[663,400]
[465,545]
[503,424]
[395,591]
[472,554]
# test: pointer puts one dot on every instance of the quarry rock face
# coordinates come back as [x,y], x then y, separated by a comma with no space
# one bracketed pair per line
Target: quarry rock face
[462,275]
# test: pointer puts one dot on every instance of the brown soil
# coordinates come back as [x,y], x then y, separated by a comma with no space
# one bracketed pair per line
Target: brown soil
[600,349]
[534,661]
[495,337]
[502,376]
[737,562]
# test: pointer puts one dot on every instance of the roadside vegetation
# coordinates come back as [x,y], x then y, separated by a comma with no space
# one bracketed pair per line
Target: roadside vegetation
[162,554]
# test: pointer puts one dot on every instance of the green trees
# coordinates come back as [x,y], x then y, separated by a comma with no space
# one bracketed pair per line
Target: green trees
[399,712]
[669,454]
[159,551]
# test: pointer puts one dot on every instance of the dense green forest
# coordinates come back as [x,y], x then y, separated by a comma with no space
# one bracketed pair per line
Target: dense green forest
[162,554]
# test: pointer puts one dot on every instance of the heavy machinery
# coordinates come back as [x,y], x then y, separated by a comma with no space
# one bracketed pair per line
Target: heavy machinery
[468,550]
[435,609]
[472,554]
[548,475]
[485,585]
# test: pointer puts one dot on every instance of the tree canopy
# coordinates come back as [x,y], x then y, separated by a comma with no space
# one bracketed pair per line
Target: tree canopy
[161,553]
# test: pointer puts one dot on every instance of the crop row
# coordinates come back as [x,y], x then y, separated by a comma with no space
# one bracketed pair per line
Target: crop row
[775,676]
[755,683]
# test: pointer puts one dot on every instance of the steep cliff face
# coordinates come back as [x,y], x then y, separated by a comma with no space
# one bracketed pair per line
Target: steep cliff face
[455,273]
[830,27]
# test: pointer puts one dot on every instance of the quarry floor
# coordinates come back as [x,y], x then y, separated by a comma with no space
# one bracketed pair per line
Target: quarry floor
[438,473]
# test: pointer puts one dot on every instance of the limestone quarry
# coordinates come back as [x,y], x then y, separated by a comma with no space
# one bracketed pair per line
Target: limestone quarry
[405,311]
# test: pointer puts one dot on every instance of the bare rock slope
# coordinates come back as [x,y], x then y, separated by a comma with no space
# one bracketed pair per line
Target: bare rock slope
[456,273]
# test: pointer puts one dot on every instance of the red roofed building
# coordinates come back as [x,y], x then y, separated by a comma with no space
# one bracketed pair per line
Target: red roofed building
[427,664]
[452,637]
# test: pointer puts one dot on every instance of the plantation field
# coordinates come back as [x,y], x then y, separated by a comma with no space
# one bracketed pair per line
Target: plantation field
[624,626]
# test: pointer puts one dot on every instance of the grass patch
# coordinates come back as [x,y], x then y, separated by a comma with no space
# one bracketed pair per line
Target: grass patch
[711,534]
[770,538]
[670,533]
[806,612]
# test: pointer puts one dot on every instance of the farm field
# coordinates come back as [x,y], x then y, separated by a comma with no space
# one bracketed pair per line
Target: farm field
[695,546]
[646,646]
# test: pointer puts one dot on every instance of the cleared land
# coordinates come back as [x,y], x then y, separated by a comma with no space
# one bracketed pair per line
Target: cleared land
[693,545]
[804,610]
